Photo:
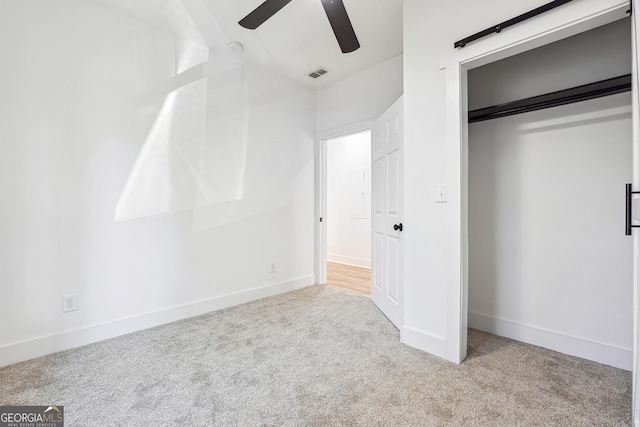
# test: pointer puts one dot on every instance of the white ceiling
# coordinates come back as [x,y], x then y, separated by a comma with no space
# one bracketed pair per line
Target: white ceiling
[294,42]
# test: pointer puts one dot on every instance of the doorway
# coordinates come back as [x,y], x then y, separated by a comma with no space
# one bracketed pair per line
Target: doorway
[549,263]
[344,208]
[348,217]
[386,138]
[458,64]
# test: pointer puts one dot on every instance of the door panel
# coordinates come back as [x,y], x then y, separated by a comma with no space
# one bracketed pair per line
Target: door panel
[377,268]
[393,259]
[635,39]
[387,242]
[393,182]
[393,127]
[379,172]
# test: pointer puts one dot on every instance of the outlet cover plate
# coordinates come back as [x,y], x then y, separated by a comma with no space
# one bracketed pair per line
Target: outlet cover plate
[69,303]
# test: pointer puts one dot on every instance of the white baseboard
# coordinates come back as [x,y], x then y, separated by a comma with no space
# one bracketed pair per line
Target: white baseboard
[30,349]
[424,341]
[355,262]
[574,346]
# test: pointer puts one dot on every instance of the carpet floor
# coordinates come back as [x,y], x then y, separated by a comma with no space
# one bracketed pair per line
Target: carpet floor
[314,357]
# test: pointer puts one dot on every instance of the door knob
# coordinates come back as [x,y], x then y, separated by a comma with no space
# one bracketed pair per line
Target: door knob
[397,227]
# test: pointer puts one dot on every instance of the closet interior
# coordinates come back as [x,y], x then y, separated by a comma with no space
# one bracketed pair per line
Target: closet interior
[550,152]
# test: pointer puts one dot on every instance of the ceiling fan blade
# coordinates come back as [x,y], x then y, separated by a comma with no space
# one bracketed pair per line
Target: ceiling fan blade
[261,13]
[341,24]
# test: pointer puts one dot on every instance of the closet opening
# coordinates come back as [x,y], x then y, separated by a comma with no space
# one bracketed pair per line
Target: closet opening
[549,262]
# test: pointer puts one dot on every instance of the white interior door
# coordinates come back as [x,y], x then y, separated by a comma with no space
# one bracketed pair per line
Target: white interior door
[636,185]
[387,203]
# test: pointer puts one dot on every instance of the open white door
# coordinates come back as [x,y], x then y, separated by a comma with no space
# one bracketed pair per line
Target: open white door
[636,185]
[387,138]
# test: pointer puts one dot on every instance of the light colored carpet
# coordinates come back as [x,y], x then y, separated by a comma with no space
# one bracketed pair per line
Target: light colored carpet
[318,356]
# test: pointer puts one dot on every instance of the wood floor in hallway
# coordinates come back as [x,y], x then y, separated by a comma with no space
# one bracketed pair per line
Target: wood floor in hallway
[350,278]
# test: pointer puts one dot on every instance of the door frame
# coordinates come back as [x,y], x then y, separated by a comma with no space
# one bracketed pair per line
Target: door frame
[320,264]
[546,29]
[549,29]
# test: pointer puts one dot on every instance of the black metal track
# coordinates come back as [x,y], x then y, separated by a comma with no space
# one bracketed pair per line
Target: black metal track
[554,99]
[497,28]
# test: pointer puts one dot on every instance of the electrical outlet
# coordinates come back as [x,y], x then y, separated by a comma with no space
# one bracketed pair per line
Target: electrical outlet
[69,303]
[273,267]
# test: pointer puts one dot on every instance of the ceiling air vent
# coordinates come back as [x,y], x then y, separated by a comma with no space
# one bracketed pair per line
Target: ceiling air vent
[317,73]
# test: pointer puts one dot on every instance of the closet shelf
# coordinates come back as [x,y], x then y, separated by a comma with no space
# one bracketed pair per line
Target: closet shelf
[554,99]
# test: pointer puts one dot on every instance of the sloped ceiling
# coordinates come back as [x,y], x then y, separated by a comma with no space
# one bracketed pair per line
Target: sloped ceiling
[294,42]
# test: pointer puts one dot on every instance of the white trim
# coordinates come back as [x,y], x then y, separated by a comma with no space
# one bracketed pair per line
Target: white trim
[346,260]
[540,31]
[30,349]
[346,130]
[424,341]
[568,344]
[320,174]
[455,131]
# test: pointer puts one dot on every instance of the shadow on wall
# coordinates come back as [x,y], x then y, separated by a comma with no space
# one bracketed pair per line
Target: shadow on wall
[217,121]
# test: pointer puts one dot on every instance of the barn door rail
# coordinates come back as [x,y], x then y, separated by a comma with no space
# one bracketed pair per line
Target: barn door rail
[628,214]
[513,21]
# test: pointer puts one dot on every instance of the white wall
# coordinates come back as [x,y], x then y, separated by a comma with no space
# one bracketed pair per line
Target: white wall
[359,97]
[548,261]
[598,54]
[433,247]
[349,200]
[209,184]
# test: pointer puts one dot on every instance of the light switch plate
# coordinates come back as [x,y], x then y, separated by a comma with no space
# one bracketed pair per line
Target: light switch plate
[441,193]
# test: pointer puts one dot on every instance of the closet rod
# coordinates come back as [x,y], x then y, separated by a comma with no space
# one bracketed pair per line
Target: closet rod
[510,22]
[554,99]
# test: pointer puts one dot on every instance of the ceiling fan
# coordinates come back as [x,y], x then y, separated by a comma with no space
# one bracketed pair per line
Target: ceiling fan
[336,12]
